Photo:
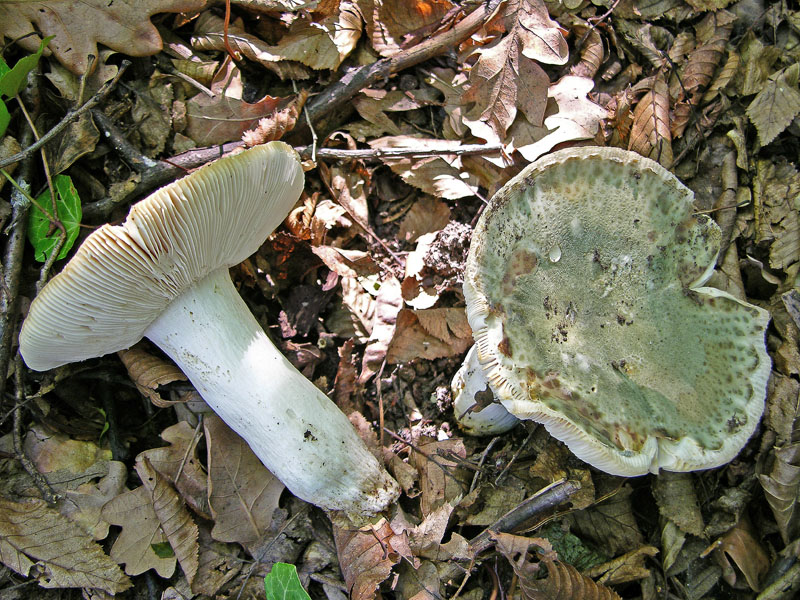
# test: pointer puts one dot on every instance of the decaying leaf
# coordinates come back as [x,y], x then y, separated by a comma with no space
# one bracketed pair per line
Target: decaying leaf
[507,75]
[225,116]
[437,473]
[563,581]
[776,105]
[78,27]
[676,496]
[179,463]
[429,334]
[713,33]
[32,534]
[149,372]
[176,522]
[389,22]
[274,126]
[610,523]
[776,199]
[426,215]
[782,489]
[242,493]
[628,567]
[742,547]
[388,303]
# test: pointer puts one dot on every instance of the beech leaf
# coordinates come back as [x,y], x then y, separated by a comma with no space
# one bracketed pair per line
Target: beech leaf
[776,105]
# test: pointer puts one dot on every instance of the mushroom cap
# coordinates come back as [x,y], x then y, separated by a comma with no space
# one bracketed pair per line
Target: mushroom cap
[584,292]
[123,276]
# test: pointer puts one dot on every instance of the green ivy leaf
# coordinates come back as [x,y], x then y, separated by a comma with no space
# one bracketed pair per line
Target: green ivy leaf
[282,583]
[5,118]
[12,80]
[68,206]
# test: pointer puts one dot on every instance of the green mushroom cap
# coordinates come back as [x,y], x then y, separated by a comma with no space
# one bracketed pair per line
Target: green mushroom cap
[584,291]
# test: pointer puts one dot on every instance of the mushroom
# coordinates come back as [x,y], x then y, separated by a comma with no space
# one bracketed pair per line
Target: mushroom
[163,275]
[585,292]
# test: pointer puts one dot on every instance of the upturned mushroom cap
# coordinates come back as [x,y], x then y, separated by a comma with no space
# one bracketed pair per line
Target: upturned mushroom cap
[123,277]
[584,292]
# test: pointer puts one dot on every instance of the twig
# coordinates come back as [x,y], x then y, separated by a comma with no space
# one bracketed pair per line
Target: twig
[390,153]
[504,472]
[48,494]
[12,264]
[48,264]
[357,79]
[120,143]
[71,115]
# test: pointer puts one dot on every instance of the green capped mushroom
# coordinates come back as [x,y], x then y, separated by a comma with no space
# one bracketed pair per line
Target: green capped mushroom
[585,292]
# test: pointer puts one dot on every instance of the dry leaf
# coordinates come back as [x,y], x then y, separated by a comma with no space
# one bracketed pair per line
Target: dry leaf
[713,33]
[628,567]
[141,530]
[676,496]
[782,489]
[429,334]
[149,372]
[426,215]
[243,494]
[563,581]
[179,463]
[650,134]
[388,22]
[592,51]
[757,60]
[176,522]
[570,116]
[437,473]
[776,105]
[740,546]
[123,25]
[274,126]
[506,76]
[218,564]
[225,117]
[346,263]
[388,303]
[611,523]
[209,35]
[367,555]
[32,534]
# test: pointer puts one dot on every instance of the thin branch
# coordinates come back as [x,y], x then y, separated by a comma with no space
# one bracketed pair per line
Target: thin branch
[389,153]
[98,97]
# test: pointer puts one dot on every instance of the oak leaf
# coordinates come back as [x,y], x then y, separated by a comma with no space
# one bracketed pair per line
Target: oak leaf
[78,27]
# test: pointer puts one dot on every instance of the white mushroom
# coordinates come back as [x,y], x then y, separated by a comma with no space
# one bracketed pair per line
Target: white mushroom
[163,274]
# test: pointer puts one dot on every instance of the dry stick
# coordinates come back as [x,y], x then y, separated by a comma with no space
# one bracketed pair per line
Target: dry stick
[71,115]
[12,263]
[138,161]
[357,79]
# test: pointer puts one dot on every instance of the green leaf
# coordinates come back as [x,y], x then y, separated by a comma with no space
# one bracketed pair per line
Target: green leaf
[12,80]
[68,205]
[282,583]
[163,550]
[5,118]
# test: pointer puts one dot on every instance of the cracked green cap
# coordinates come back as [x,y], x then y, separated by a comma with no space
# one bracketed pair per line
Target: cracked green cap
[584,288]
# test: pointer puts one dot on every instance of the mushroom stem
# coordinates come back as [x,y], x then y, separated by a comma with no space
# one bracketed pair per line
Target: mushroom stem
[294,429]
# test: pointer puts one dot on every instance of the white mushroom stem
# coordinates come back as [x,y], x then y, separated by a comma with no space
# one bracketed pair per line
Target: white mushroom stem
[297,432]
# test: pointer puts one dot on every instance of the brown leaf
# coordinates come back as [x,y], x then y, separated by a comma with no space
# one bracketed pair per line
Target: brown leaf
[628,567]
[149,372]
[275,125]
[388,22]
[346,263]
[243,494]
[741,546]
[676,496]
[367,555]
[123,25]
[219,563]
[782,489]
[592,51]
[611,523]
[437,473]
[563,581]
[389,301]
[141,529]
[425,216]
[713,33]
[209,35]
[176,522]
[776,105]
[32,534]
[179,463]
[225,117]
[429,334]
[345,389]
[650,134]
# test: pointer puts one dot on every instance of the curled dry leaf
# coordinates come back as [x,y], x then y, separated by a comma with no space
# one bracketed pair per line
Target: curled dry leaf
[176,522]
[149,372]
[388,303]
[123,25]
[389,22]
[782,489]
[650,134]
[243,494]
[209,35]
[741,546]
[628,567]
[591,53]
[274,126]
[563,581]
[34,535]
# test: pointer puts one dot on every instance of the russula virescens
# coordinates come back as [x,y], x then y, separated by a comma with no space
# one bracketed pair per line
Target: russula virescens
[585,292]
[163,275]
